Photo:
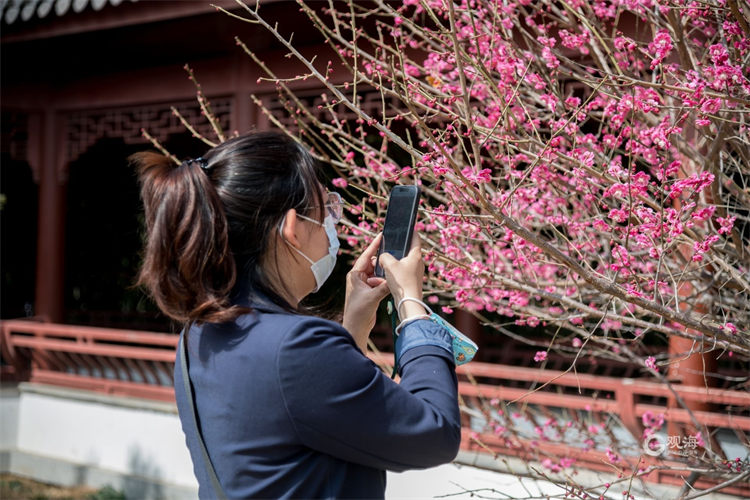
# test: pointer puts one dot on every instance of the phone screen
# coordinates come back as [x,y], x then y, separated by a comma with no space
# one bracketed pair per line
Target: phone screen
[399,222]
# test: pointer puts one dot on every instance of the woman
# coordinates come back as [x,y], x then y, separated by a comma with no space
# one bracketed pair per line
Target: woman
[287,404]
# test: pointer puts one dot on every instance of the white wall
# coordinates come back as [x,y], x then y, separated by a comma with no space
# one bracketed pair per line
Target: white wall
[128,440]
[69,436]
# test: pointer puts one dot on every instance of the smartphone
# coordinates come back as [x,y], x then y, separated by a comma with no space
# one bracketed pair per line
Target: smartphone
[399,224]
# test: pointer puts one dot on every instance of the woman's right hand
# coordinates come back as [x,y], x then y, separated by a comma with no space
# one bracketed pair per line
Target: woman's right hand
[405,278]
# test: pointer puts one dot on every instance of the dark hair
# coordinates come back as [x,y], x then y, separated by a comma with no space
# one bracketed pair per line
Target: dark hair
[211,224]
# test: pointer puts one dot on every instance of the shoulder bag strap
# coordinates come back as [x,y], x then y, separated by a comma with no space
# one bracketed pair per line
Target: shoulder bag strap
[191,400]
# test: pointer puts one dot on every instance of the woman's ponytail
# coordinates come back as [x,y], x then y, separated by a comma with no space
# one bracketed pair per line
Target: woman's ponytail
[188,267]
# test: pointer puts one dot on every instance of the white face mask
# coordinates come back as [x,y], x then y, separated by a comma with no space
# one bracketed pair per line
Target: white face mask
[323,268]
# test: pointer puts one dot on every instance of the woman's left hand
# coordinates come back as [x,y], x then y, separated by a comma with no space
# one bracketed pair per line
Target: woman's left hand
[364,291]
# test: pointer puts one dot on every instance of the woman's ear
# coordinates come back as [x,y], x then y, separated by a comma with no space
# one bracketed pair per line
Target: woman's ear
[290,227]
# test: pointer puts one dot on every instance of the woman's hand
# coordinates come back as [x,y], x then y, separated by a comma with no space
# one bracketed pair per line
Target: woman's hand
[404,278]
[364,291]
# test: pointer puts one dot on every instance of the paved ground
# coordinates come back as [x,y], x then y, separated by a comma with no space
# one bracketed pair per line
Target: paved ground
[457,481]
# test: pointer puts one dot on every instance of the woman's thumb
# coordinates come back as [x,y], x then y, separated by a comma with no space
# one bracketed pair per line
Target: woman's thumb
[386,260]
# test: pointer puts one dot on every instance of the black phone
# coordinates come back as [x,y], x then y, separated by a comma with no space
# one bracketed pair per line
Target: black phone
[399,223]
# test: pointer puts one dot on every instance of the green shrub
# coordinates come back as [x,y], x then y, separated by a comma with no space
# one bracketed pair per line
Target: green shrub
[107,493]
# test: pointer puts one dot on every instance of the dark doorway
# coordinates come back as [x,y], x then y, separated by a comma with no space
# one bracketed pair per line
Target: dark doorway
[18,227]
[104,225]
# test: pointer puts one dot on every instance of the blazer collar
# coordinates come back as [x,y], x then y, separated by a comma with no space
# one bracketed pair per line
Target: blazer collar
[247,296]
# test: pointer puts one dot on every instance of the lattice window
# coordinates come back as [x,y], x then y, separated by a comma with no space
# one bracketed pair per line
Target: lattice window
[370,102]
[84,128]
[15,134]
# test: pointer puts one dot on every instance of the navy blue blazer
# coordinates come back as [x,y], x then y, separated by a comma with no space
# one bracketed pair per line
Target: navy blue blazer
[289,407]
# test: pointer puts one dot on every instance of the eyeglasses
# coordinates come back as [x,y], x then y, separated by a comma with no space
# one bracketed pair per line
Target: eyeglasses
[334,206]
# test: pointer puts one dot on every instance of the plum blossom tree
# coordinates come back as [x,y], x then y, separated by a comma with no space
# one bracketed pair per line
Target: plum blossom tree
[585,168]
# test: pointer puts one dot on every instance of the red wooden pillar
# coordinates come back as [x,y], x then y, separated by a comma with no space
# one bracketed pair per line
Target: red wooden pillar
[688,364]
[469,325]
[244,112]
[689,369]
[50,273]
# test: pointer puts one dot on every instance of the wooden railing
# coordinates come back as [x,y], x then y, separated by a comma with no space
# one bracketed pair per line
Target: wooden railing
[140,364]
[120,362]
[622,402]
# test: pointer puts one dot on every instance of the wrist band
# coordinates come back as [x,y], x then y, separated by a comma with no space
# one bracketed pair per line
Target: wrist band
[412,299]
